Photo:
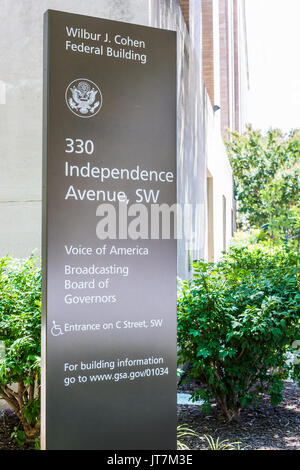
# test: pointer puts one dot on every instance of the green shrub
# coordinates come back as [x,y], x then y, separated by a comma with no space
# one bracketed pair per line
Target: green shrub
[20,328]
[237,321]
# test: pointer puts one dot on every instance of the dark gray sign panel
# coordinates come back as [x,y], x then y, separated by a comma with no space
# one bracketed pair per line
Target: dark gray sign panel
[109,345]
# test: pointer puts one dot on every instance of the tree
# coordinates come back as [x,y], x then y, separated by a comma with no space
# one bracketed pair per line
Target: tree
[266,175]
[20,331]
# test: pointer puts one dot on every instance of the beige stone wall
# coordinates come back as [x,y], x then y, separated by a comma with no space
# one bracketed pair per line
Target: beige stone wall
[226,115]
[185,7]
[233,65]
[208,64]
[220,173]
[200,147]
[21,84]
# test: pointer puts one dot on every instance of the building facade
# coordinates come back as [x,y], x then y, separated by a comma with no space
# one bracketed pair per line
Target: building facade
[212,91]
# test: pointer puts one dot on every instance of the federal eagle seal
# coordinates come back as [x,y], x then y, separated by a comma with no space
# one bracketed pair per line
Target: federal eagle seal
[84,98]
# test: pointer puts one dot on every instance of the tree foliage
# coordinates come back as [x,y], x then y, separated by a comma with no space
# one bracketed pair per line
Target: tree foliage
[266,175]
[237,321]
[20,330]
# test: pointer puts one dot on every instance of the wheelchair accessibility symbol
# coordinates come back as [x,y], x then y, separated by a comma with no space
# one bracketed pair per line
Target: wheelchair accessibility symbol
[56,330]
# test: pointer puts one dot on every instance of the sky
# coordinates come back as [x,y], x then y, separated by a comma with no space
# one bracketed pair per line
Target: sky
[274,63]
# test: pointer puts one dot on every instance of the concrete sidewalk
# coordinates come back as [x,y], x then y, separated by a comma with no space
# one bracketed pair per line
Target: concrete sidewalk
[185,399]
[182,399]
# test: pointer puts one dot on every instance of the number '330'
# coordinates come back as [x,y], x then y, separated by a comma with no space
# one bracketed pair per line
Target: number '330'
[79,146]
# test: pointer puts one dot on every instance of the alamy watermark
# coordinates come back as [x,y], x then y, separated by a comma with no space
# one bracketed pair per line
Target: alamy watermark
[148,222]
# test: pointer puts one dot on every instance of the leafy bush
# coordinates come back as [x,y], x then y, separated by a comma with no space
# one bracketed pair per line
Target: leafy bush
[237,321]
[20,327]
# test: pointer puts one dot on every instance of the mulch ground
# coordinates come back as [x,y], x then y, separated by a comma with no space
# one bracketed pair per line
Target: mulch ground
[265,427]
[8,421]
[262,428]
